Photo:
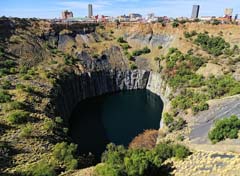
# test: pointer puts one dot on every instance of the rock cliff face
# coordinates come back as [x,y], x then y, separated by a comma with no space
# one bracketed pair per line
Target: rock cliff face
[158,86]
[76,87]
[152,40]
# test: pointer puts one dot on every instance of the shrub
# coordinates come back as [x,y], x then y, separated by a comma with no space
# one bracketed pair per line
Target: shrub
[120,161]
[173,124]
[189,34]
[133,66]
[41,168]
[49,125]
[125,46]
[189,99]
[64,153]
[136,162]
[18,116]
[6,84]
[216,22]
[26,131]
[15,105]
[4,96]
[175,24]
[180,151]
[59,120]
[145,50]
[225,128]
[213,45]
[121,40]
[223,85]
[145,140]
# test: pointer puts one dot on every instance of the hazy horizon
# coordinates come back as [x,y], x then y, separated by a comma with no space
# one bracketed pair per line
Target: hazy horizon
[171,8]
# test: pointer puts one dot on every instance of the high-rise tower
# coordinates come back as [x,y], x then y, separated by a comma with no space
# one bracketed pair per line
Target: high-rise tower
[90,10]
[195,11]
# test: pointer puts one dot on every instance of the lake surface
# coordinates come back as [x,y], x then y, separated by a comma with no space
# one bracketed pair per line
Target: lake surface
[116,118]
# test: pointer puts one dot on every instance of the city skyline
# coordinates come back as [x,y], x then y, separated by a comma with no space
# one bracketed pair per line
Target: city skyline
[171,8]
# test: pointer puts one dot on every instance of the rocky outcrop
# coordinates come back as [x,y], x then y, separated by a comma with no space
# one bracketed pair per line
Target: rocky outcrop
[76,87]
[152,40]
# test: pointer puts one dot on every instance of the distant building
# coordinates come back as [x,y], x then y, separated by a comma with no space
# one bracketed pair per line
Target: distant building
[67,14]
[135,17]
[236,17]
[123,18]
[90,10]
[207,18]
[228,13]
[195,11]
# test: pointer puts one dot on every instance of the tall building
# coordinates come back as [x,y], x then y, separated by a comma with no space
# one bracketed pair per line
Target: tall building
[195,11]
[90,10]
[67,14]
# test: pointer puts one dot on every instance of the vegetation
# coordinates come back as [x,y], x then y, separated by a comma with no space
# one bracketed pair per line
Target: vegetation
[181,69]
[223,85]
[14,105]
[133,66]
[173,124]
[120,161]
[189,34]
[145,50]
[18,116]
[121,40]
[225,128]
[26,131]
[213,45]
[147,140]
[189,99]
[175,24]
[65,154]
[41,168]
[4,96]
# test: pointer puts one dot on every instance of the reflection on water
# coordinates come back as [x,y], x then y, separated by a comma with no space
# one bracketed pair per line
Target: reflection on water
[116,118]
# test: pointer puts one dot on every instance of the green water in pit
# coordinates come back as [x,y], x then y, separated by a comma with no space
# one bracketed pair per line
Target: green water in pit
[117,118]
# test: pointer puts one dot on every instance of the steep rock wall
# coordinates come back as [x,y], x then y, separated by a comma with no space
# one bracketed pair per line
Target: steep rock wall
[77,87]
[158,86]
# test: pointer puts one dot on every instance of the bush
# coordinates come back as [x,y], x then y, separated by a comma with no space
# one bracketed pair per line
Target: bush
[41,168]
[133,66]
[189,34]
[64,153]
[189,99]
[175,24]
[121,40]
[225,128]
[145,50]
[49,125]
[180,151]
[173,124]
[15,105]
[125,46]
[59,120]
[6,84]
[5,96]
[26,131]
[223,85]
[120,161]
[145,140]
[213,45]
[18,116]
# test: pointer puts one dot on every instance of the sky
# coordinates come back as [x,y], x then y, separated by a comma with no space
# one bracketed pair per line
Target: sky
[171,8]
